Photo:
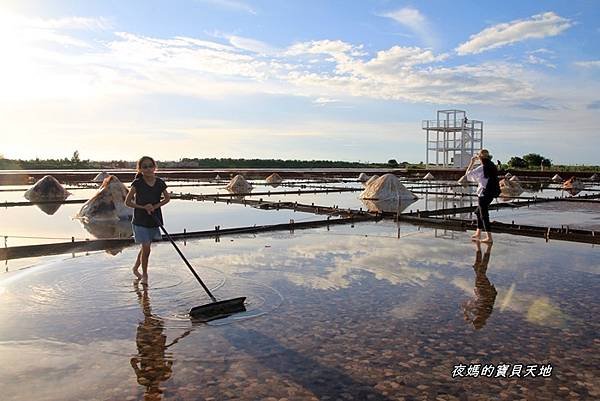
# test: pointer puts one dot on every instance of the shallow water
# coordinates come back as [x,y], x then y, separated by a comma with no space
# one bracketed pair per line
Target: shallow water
[346,313]
[29,225]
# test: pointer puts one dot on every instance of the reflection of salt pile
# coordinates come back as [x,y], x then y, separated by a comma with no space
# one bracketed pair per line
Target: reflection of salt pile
[239,185]
[47,189]
[101,177]
[390,205]
[386,187]
[509,187]
[362,177]
[428,176]
[109,229]
[557,178]
[274,179]
[108,204]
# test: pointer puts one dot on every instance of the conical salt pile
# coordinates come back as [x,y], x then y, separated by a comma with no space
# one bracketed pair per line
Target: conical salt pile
[386,187]
[274,179]
[108,203]
[217,177]
[514,178]
[48,188]
[594,177]
[557,178]
[428,176]
[362,177]
[239,185]
[508,176]
[373,178]
[510,188]
[100,177]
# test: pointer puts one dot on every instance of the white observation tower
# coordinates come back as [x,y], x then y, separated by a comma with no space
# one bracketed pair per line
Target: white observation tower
[452,139]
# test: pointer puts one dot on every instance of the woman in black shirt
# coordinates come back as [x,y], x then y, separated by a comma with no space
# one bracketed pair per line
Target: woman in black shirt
[147,190]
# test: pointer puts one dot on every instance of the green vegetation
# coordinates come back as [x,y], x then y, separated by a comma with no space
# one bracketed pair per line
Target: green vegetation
[530,161]
[75,162]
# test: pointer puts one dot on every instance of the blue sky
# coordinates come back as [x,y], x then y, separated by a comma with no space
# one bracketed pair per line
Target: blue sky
[343,80]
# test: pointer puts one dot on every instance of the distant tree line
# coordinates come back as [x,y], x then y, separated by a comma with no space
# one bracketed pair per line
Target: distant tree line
[75,162]
[530,161]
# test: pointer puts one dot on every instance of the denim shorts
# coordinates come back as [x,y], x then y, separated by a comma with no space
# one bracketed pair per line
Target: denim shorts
[144,235]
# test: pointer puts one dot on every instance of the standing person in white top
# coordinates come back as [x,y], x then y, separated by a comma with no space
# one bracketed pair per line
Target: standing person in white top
[488,188]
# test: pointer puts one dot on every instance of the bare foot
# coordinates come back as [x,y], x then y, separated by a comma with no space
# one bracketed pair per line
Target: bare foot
[136,273]
[487,240]
[475,236]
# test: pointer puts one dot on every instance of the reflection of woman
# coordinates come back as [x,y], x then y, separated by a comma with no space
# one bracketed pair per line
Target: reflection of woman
[150,365]
[477,310]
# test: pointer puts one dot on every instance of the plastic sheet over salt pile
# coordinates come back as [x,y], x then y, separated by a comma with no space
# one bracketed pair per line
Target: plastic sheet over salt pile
[239,185]
[509,187]
[47,189]
[108,204]
[386,187]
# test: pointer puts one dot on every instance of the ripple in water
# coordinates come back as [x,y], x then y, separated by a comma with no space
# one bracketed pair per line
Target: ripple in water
[94,284]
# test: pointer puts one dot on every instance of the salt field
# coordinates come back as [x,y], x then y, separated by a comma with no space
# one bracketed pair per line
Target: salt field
[377,308]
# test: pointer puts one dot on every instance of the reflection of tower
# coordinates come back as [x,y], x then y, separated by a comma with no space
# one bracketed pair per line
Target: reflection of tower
[477,310]
[151,365]
[453,138]
[449,197]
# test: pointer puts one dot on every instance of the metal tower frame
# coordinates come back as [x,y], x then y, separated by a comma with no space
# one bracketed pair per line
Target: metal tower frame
[452,138]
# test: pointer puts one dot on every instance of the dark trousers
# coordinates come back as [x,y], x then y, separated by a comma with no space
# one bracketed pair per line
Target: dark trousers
[483,214]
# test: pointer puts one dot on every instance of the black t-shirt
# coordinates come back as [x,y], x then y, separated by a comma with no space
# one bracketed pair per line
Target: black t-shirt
[145,194]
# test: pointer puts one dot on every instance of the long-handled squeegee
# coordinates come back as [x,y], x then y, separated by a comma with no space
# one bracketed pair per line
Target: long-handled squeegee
[215,309]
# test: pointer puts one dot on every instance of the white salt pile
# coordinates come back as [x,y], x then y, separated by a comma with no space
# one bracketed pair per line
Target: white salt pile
[108,204]
[386,187]
[274,179]
[239,185]
[100,177]
[48,188]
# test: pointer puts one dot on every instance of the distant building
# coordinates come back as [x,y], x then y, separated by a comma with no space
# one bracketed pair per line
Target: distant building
[452,139]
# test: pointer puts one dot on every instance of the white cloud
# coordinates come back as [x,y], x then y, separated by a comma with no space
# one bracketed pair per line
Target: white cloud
[232,5]
[533,59]
[588,64]
[136,65]
[252,45]
[537,27]
[416,22]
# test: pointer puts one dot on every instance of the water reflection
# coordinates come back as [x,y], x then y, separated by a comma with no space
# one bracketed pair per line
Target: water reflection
[49,208]
[152,365]
[389,206]
[108,229]
[477,310]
